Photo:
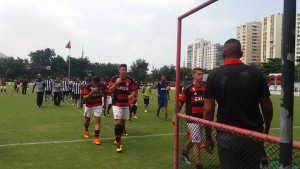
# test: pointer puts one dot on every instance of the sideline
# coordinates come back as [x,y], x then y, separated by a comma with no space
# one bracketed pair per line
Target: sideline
[82,140]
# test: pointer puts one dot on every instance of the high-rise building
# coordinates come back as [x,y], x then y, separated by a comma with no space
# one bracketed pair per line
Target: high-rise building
[202,53]
[271,37]
[195,53]
[213,56]
[297,38]
[249,36]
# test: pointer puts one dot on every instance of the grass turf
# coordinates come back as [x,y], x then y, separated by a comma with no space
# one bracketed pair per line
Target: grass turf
[52,137]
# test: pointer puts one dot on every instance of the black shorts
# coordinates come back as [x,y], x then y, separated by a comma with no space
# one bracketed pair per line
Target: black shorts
[76,96]
[65,93]
[48,92]
[146,99]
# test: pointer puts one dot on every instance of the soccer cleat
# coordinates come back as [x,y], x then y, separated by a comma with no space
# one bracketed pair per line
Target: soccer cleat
[185,157]
[119,148]
[96,141]
[125,133]
[135,117]
[86,134]
[202,144]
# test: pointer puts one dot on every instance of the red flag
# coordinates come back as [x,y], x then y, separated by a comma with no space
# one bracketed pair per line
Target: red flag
[68,45]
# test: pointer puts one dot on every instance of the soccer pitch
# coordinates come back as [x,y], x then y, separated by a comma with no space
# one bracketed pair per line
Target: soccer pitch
[52,137]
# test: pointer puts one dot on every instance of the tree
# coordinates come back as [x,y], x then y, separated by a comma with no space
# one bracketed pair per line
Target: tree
[42,57]
[139,69]
[273,65]
[59,66]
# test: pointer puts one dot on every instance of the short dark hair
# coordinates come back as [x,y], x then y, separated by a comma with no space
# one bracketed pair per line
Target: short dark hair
[89,78]
[123,65]
[232,48]
[197,69]
[96,79]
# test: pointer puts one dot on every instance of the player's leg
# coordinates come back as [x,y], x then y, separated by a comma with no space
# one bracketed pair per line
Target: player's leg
[59,98]
[159,104]
[119,127]
[165,104]
[134,109]
[97,113]
[146,102]
[55,98]
[87,119]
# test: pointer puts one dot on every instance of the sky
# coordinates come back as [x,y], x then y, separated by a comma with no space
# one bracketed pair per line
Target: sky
[121,31]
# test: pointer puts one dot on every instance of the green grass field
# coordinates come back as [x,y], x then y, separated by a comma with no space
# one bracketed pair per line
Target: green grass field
[52,137]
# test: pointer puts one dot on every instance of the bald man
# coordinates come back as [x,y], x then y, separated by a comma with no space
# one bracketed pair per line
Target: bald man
[239,90]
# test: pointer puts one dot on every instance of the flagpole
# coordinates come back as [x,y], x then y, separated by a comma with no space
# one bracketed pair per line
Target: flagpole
[69,63]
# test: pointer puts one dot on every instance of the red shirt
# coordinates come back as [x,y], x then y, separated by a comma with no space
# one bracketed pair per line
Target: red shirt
[96,98]
[3,83]
[107,92]
[193,97]
[120,95]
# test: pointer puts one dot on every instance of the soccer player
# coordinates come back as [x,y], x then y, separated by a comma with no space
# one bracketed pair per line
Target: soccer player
[92,94]
[108,99]
[133,105]
[3,85]
[15,85]
[192,96]
[76,92]
[57,85]
[146,90]
[48,88]
[24,86]
[120,86]
[162,95]
[65,90]
[39,83]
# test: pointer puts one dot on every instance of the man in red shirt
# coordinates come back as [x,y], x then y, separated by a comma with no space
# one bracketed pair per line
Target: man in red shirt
[92,95]
[121,86]
[3,85]
[192,96]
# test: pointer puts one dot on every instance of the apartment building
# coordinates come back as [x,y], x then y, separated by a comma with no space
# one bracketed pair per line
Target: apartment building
[249,36]
[271,37]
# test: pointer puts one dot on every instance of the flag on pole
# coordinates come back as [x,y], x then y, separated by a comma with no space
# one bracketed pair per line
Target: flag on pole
[68,45]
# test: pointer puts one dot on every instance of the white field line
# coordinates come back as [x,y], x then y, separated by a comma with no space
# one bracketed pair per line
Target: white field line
[279,128]
[82,140]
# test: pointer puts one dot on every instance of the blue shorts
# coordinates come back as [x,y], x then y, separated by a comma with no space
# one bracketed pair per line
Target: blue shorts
[162,101]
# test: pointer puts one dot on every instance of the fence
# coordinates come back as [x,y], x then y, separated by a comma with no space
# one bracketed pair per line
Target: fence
[249,148]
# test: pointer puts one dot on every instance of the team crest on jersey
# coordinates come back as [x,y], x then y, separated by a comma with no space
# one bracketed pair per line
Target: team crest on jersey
[127,84]
[195,93]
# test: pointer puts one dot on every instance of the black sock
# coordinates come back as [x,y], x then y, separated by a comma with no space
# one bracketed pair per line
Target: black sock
[97,132]
[118,132]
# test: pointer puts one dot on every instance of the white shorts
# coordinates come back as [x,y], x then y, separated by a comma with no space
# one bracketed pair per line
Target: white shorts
[121,112]
[97,111]
[3,87]
[108,100]
[195,131]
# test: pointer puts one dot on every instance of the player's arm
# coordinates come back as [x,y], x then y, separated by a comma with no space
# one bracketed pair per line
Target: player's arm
[208,114]
[267,112]
[32,87]
[133,94]
[115,85]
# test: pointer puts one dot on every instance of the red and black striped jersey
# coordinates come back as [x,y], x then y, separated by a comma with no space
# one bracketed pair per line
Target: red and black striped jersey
[120,95]
[3,83]
[107,84]
[96,98]
[193,97]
